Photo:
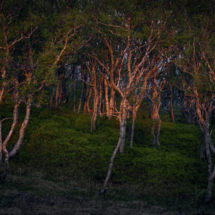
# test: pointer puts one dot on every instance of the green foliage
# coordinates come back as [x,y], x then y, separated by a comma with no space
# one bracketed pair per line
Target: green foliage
[62,143]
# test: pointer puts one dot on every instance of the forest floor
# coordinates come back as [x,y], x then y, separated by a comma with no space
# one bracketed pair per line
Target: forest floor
[34,195]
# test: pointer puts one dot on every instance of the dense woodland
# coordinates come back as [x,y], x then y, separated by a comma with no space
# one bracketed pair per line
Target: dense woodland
[135,64]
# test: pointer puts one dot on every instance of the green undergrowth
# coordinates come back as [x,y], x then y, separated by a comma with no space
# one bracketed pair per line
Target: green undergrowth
[60,143]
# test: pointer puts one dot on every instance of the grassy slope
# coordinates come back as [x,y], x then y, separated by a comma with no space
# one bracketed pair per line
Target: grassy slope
[60,145]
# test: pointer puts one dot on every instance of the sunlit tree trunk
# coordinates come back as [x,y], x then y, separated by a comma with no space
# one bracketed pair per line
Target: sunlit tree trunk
[85,96]
[120,143]
[100,97]
[156,96]
[88,101]
[106,97]
[123,110]
[96,99]
[15,149]
[111,105]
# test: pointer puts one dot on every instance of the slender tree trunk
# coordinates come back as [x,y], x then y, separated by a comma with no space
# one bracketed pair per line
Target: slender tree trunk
[88,101]
[100,98]
[123,125]
[207,138]
[85,99]
[82,93]
[158,132]
[4,83]
[14,123]
[94,116]
[15,149]
[22,129]
[119,144]
[156,96]
[153,133]
[51,91]
[95,100]
[103,107]
[60,93]
[156,124]
[134,115]
[211,172]
[106,98]
[111,166]
[111,106]
[57,95]
[203,147]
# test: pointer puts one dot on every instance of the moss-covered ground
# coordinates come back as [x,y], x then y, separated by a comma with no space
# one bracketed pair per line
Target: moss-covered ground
[60,148]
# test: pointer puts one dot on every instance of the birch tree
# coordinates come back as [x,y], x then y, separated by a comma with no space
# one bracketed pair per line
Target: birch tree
[129,60]
[197,59]
[30,54]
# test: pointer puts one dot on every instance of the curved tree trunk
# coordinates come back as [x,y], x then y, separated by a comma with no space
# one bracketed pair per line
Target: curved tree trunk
[120,144]
[15,149]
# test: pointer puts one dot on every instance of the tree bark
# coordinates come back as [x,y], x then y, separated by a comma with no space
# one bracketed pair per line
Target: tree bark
[100,97]
[123,125]
[211,172]
[4,83]
[120,144]
[85,99]
[155,111]
[106,97]
[111,105]
[95,100]
[82,93]
[204,111]
[88,101]
[57,95]
[134,115]
[52,91]
[15,149]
